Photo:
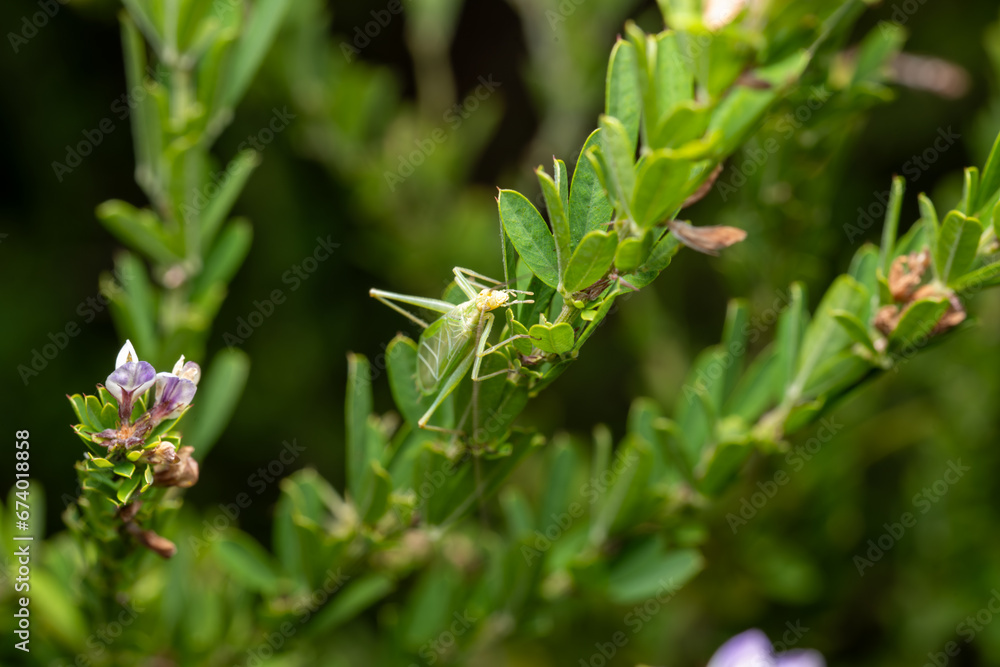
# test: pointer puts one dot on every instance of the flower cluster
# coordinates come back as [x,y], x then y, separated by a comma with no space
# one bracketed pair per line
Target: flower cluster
[172,394]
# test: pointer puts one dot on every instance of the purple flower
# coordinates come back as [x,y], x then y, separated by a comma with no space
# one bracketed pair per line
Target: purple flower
[173,394]
[131,379]
[753,649]
[175,390]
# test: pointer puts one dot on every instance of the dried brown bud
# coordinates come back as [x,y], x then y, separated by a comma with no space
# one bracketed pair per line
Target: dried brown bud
[182,472]
[952,317]
[887,318]
[906,273]
[128,512]
[934,75]
[162,453]
[709,240]
[149,539]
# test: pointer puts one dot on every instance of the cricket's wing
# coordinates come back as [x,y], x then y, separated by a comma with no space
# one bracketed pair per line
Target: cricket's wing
[441,346]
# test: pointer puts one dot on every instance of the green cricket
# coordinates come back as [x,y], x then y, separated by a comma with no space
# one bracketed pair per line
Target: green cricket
[457,340]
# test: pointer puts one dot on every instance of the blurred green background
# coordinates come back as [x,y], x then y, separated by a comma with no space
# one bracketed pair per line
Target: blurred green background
[324,176]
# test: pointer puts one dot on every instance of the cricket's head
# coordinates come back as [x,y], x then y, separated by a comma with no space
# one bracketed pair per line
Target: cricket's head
[491,299]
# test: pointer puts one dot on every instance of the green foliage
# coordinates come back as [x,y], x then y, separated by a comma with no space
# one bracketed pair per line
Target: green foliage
[565,525]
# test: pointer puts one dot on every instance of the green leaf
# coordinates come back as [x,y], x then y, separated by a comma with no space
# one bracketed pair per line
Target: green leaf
[825,337]
[956,246]
[216,400]
[620,159]
[674,83]
[530,235]
[914,240]
[248,563]
[94,410]
[109,416]
[974,281]
[660,188]
[723,464]
[918,320]
[618,505]
[864,268]
[685,123]
[136,304]
[589,206]
[591,260]
[378,486]
[990,181]
[125,469]
[557,218]
[878,46]
[357,595]
[970,191]
[127,488]
[758,388]
[146,135]
[649,571]
[401,364]
[734,346]
[791,329]
[265,19]
[552,338]
[854,328]
[522,345]
[738,113]
[225,259]
[558,480]
[102,463]
[662,253]
[137,12]
[928,215]
[139,229]
[623,98]
[215,212]
[357,409]
[632,252]
[891,224]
